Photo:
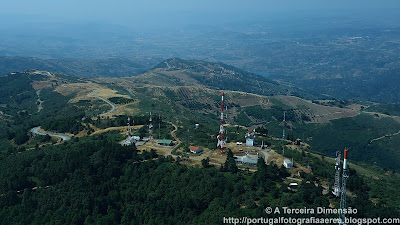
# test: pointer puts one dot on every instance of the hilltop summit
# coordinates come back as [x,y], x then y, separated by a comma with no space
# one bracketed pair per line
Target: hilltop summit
[180,72]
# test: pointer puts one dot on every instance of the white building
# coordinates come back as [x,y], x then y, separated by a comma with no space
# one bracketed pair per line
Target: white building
[293,186]
[130,140]
[287,163]
[137,138]
[247,159]
[250,137]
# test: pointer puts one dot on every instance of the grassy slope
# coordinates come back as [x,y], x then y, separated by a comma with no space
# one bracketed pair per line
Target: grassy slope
[179,72]
[188,105]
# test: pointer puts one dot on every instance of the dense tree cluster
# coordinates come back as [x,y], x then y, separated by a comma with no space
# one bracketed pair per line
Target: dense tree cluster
[120,100]
[230,164]
[94,180]
[71,124]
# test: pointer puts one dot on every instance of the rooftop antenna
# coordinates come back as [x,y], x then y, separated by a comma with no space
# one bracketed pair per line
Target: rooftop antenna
[221,144]
[336,188]
[345,176]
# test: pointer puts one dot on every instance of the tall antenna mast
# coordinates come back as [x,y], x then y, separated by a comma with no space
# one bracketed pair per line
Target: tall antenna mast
[221,144]
[336,189]
[159,125]
[283,132]
[129,126]
[284,120]
[345,176]
[187,140]
[284,116]
[150,128]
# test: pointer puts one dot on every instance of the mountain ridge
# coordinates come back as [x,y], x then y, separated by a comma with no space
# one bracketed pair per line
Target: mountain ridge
[87,68]
[220,76]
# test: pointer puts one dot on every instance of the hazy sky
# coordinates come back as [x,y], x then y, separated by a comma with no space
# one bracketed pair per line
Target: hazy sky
[164,11]
[101,7]
[60,28]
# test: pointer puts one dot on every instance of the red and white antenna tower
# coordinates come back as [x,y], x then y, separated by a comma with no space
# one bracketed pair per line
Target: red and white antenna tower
[150,128]
[221,144]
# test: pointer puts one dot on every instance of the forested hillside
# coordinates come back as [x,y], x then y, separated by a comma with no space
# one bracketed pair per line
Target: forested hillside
[96,181]
[93,179]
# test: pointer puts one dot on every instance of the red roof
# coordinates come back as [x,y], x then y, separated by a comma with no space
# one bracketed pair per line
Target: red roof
[193,148]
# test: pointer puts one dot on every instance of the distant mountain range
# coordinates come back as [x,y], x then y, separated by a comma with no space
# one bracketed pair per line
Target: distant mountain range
[377,83]
[105,67]
[382,86]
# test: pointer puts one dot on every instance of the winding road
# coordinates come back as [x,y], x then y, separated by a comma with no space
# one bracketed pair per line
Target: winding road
[91,94]
[385,136]
[169,67]
[174,135]
[40,105]
[113,107]
[35,130]
[130,91]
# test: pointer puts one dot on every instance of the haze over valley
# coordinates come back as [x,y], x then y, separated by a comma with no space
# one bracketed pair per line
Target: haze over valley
[181,112]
